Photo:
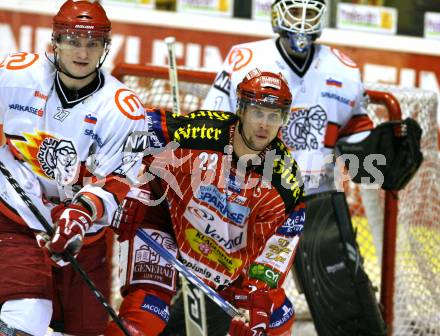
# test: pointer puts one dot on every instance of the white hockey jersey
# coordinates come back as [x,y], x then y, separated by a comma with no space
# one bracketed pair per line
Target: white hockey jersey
[55,152]
[328,102]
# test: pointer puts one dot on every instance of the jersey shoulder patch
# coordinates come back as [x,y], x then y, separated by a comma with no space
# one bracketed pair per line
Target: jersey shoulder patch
[343,58]
[201,129]
[241,55]
[23,69]
[125,101]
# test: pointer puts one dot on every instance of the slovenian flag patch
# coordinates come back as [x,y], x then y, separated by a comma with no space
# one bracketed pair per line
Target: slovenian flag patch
[90,119]
[333,82]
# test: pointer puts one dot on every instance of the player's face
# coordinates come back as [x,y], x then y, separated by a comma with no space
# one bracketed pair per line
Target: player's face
[79,55]
[261,125]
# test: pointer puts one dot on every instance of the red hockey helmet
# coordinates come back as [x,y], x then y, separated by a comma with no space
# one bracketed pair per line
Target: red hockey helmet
[83,17]
[266,89]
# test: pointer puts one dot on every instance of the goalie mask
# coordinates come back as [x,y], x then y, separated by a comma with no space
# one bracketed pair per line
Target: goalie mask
[78,19]
[298,20]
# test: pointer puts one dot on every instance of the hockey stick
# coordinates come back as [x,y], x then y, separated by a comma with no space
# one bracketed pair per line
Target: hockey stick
[212,294]
[67,255]
[195,318]
[172,70]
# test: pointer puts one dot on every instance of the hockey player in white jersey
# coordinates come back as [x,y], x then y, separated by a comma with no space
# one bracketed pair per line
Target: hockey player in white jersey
[66,123]
[328,106]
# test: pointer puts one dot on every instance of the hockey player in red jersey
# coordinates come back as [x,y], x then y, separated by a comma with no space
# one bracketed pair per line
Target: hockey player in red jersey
[65,122]
[328,111]
[233,213]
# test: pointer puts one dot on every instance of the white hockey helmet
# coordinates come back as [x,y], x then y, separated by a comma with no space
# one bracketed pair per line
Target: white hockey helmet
[299,20]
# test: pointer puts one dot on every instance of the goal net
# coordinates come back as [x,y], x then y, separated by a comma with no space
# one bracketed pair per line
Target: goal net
[398,234]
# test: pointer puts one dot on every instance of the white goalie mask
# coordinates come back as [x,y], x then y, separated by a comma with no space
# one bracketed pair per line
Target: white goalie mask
[299,20]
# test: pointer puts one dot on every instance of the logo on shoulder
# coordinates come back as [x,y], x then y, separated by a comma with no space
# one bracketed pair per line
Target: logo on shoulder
[239,57]
[343,58]
[223,82]
[129,104]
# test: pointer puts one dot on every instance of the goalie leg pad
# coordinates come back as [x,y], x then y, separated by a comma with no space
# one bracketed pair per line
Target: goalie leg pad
[339,294]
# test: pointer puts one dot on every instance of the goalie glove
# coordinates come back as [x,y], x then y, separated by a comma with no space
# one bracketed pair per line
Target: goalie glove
[71,223]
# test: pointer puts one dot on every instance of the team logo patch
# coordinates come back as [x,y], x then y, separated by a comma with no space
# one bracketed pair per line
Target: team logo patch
[61,114]
[239,58]
[156,306]
[19,61]
[49,157]
[305,128]
[129,104]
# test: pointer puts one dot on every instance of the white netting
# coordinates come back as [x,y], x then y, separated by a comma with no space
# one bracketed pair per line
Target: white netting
[417,281]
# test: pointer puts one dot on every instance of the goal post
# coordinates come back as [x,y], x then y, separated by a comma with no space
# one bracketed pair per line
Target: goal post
[398,234]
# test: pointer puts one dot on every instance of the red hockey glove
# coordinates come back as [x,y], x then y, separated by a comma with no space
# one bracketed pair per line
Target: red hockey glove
[71,226]
[258,303]
[127,218]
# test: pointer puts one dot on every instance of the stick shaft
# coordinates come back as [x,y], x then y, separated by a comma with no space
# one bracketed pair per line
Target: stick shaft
[172,69]
[212,294]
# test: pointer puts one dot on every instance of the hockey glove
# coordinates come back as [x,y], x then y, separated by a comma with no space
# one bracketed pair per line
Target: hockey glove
[258,303]
[127,218]
[71,223]
[281,316]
